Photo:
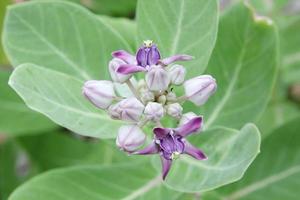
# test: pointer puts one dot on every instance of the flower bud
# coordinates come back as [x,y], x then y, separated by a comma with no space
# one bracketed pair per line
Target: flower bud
[162,99]
[113,65]
[154,111]
[147,96]
[148,54]
[174,110]
[100,93]
[177,74]
[200,88]
[129,109]
[130,137]
[186,117]
[157,78]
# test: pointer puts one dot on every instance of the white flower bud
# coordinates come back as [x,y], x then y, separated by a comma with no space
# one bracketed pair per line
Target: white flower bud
[157,78]
[130,137]
[200,88]
[177,74]
[154,111]
[115,76]
[174,110]
[100,93]
[171,96]
[186,117]
[147,96]
[162,99]
[129,109]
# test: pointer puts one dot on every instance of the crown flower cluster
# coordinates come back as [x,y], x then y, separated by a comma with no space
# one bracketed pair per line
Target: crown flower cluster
[152,99]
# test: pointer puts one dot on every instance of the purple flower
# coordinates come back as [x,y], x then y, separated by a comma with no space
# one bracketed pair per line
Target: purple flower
[170,143]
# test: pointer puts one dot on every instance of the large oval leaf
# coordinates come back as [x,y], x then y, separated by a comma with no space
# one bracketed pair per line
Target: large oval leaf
[229,151]
[58,96]
[180,26]
[97,183]
[244,63]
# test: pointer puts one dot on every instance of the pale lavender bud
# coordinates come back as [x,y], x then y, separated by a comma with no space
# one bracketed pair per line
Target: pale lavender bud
[129,109]
[177,74]
[100,93]
[157,78]
[154,111]
[186,117]
[174,110]
[147,96]
[130,137]
[113,66]
[200,88]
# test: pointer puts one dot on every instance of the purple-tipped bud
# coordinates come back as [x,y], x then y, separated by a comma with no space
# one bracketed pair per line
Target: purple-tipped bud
[154,111]
[177,74]
[174,110]
[130,137]
[100,93]
[157,78]
[113,66]
[148,54]
[186,117]
[129,109]
[200,88]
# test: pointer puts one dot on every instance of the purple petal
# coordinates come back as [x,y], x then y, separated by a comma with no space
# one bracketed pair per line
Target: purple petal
[125,56]
[141,56]
[193,151]
[150,149]
[153,55]
[171,59]
[166,166]
[190,127]
[161,132]
[130,69]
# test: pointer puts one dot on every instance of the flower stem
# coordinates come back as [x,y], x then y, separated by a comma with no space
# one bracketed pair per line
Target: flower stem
[182,99]
[132,88]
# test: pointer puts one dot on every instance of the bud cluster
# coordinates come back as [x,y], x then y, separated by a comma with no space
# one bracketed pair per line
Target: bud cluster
[152,98]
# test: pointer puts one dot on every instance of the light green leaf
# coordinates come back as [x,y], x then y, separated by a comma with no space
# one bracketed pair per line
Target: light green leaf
[229,151]
[16,117]
[275,174]
[3,5]
[126,182]
[180,27]
[244,63]
[61,36]
[58,96]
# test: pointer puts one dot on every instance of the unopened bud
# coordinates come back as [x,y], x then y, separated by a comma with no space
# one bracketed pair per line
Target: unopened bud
[162,99]
[186,117]
[154,111]
[157,78]
[200,88]
[174,110]
[147,96]
[100,93]
[177,74]
[113,65]
[130,137]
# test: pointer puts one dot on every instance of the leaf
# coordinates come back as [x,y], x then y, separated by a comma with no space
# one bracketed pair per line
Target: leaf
[229,151]
[275,174]
[3,5]
[16,118]
[58,96]
[126,182]
[180,27]
[244,63]
[61,149]
[62,36]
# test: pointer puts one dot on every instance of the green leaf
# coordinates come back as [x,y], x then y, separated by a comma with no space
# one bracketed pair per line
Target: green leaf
[3,5]
[275,174]
[244,63]
[61,36]
[58,96]
[229,151]
[180,27]
[127,182]
[16,117]
[60,149]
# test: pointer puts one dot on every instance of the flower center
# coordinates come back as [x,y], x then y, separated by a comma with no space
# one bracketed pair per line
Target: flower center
[148,43]
[175,155]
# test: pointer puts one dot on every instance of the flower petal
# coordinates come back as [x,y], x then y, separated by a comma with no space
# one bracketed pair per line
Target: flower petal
[142,56]
[125,56]
[161,132]
[130,69]
[180,57]
[150,149]
[193,151]
[190,127]
[166,166]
